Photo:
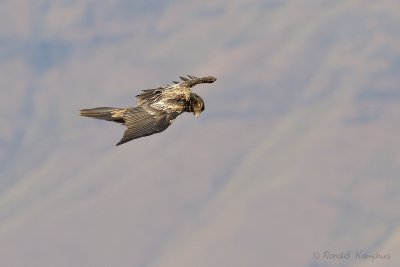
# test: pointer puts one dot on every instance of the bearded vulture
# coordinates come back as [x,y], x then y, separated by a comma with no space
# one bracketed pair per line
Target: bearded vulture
[156,109]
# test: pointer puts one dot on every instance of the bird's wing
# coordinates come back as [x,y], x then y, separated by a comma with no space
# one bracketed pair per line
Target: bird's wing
[141,123]
[149,95]
[183,87]
[185,84]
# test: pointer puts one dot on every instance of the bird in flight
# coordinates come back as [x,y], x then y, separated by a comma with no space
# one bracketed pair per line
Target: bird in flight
[156,109]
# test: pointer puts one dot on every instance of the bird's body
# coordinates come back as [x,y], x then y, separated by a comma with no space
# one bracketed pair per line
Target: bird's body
[156,109]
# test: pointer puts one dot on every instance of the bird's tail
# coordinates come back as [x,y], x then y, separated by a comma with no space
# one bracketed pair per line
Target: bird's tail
[105,113]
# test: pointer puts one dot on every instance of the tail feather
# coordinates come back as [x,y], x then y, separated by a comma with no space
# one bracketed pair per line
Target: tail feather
[104,113]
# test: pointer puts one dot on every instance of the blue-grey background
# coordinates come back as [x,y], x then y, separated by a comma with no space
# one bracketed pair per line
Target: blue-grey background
[297,152]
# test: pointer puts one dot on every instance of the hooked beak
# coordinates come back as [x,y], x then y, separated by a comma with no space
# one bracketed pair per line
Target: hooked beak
[197,114]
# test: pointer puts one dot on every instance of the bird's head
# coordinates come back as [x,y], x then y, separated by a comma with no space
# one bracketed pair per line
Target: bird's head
[196,104]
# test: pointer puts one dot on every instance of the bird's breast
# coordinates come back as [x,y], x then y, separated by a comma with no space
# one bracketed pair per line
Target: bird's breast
[169,106]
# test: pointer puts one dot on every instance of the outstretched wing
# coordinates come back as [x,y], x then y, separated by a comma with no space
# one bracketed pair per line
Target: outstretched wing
[181,89]
[142,123]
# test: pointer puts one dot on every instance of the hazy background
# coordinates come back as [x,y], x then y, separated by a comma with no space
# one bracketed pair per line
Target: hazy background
[297,152]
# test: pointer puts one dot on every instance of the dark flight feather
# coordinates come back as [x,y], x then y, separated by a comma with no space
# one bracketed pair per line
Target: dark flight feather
[141,123]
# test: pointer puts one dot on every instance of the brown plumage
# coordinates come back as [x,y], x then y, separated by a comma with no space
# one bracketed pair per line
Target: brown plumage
[156,109]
